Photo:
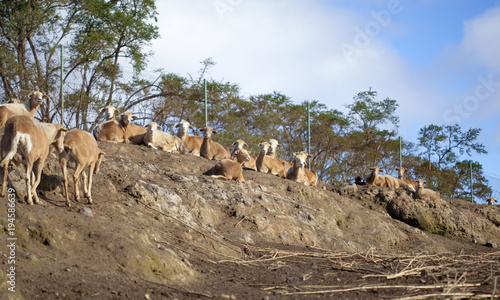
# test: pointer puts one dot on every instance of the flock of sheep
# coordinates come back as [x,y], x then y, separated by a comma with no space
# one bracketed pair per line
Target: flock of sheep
[26,140]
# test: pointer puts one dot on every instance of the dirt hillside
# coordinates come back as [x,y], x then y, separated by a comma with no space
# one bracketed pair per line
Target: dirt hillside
[160,229]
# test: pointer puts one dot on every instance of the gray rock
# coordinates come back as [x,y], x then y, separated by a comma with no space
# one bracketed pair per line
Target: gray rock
[86,212]
[29,256]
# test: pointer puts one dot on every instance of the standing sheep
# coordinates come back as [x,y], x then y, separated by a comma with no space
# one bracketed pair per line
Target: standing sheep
[80,151]
[31,139]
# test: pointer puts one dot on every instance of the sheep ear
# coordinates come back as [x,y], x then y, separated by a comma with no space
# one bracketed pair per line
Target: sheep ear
[259,144]
[381,170]
[425,182]
[102,153]
[158,127]
[102,109]
[295,153]
[177,125]
[191,127]
[234,144]
[245,144]
[201,129]
[279,145]
[214,132]
[309,155]
[134,117]
[117,111]
[45,96]
[147,126]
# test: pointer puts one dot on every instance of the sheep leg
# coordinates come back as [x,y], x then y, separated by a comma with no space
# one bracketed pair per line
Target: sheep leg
[89,193]
[37,178]
[5,175]
[64,167]
[29,168]
[78,170]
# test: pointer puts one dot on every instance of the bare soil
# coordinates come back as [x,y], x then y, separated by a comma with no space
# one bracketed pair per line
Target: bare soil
[160,229]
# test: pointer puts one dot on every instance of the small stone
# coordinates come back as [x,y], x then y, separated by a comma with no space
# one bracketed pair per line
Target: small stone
[86,212]
[29,256]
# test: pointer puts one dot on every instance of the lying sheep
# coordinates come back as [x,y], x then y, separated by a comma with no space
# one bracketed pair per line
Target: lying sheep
[134,133]
[110,131]
[80,151]
[110,112]
[155,138]
[22,109]
[423,192]
[210,149]
[239,144]
[410,184]
[243,156]
[31,139]
[374,178]
[273,148]
[192,144]
[228,169]
[299,173]
[267,164]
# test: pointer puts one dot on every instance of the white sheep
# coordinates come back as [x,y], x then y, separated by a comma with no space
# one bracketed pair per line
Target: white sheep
[155,138]
[31,139]
[299,173]
[423,192]
[80,151]
[22,109]
[192,144]
[110,112]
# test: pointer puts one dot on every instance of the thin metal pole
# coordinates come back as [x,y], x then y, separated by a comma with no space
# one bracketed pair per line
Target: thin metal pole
[471,191]
[61,98]
[308,128]
[400,155]
[206,100]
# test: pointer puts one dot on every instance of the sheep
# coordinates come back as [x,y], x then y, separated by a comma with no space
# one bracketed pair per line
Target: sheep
[110,112]
[241,157]
[134,133]
[192,144]
[80,151]
[26,109]
[210,149]
[273,147]
[228,169]
[31,140]
[154,138]
[267,164]
[423,192]
[491,201]
[373,178]
[239,144]
[299,173]
[110,131]
[410,184]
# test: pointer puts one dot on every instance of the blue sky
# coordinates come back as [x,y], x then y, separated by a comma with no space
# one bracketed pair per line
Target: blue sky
[439,59]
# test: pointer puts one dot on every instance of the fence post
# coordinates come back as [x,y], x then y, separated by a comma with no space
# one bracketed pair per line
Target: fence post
[400,155]
[206,96]
[61,92]
[471,190]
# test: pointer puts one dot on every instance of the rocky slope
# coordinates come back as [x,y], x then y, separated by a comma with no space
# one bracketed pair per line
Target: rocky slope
[159,228]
